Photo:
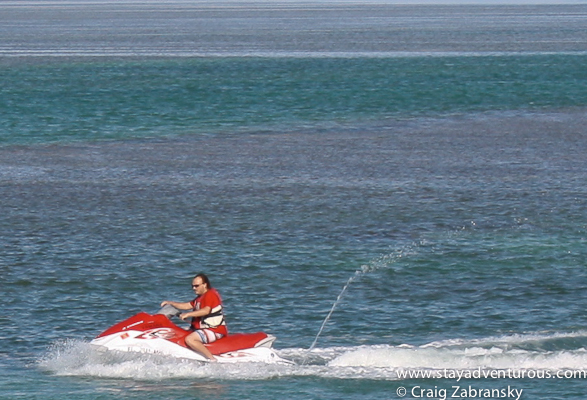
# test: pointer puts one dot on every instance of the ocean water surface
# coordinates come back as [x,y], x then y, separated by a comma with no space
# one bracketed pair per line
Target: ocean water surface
[430,160]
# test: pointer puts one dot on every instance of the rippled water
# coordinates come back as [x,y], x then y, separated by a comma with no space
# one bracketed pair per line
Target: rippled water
[446,188]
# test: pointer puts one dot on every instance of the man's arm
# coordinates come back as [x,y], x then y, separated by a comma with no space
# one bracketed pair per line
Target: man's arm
[178,305]
[202,312]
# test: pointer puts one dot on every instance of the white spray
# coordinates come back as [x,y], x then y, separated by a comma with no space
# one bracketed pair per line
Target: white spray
[374,265]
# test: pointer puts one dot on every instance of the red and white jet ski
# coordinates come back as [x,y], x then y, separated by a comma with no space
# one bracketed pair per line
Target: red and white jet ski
[156,334]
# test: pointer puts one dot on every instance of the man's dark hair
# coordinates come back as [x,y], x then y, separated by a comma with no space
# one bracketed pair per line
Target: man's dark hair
[204,279]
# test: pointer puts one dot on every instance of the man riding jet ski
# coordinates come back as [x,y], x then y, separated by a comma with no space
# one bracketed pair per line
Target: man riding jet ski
[207,317]
[206,340]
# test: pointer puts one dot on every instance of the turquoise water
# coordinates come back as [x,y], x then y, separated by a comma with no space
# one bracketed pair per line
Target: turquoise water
[120,100]
[434,163]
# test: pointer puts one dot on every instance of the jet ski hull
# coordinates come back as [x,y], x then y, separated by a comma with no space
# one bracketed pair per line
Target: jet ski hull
[156,334]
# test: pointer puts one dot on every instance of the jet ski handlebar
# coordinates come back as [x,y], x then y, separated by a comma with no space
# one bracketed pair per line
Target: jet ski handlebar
[169,311]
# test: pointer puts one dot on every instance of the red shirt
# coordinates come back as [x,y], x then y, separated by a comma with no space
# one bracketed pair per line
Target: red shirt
[213,321]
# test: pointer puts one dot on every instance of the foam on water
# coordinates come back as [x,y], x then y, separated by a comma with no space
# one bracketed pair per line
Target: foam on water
[79,358]
[520,352]
[515,352]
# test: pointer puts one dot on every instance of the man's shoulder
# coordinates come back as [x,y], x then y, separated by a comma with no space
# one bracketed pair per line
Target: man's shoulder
[212,293]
